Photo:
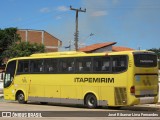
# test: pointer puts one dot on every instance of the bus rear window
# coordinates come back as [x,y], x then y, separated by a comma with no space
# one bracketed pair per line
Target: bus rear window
[145,60]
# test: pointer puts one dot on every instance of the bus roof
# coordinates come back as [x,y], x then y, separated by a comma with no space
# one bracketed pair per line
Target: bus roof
[57,53]
[75,54]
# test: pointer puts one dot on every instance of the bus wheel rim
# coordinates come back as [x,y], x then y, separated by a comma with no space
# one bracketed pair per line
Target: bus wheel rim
[21,97]
[91,101]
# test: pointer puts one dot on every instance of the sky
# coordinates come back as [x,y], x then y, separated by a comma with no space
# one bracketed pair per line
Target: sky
[131,23]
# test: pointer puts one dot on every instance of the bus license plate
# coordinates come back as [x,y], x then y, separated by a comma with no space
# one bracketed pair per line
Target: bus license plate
[144,100]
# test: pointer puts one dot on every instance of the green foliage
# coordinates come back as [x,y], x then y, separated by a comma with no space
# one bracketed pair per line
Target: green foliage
[7,37]
[157,51]
[11,45]
[22,49]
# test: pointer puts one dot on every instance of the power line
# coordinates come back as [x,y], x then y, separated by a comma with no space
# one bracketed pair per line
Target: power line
[82,41]
[76,31]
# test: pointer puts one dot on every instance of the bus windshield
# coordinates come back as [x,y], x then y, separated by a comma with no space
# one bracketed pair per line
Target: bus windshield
[145,60]
[9,75]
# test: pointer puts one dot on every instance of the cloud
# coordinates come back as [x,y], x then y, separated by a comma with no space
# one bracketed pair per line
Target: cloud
[99,13]
[62,8]
[45,10]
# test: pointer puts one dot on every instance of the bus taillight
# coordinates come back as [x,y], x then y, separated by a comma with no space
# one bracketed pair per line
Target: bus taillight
[132,90]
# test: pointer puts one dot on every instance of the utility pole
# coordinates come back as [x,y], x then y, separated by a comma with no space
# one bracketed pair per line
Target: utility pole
[76,32]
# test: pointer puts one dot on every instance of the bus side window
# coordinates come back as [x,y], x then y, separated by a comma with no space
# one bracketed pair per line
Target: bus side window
[83,64]
[26,66]
[67,65]
[106,66]
[101,64]
[23,67]
[37,66]
[119,63]
[51,65]
[40,66]
[20,67]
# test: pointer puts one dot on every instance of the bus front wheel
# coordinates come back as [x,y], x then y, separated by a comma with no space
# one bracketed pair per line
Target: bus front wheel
[21,98]
[91,101]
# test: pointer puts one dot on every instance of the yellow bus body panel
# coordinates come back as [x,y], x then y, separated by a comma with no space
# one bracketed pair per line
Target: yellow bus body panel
[115,92]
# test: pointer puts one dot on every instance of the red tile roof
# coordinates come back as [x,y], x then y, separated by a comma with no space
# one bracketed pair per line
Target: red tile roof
[96,46]
[120,48]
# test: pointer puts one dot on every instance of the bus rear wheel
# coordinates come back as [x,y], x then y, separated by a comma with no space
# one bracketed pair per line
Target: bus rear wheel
[44,103]
[91,101]
[21,98]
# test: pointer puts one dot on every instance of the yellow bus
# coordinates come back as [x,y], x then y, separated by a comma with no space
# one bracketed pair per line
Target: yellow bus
[91,79]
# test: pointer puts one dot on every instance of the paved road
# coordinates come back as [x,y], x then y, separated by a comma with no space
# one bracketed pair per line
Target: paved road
[14,107]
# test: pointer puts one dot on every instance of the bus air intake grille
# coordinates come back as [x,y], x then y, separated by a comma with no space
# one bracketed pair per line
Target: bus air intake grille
[120,96]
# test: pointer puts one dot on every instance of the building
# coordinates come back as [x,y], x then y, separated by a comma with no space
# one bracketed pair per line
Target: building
[103,47]
[120,48]
[50,42]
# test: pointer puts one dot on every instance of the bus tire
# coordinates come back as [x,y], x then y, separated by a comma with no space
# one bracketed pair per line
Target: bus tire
[44,103]
[91,101]
[115,107]
[21,98]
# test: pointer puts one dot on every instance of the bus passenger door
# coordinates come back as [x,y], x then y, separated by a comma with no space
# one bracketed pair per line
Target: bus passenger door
[9,90]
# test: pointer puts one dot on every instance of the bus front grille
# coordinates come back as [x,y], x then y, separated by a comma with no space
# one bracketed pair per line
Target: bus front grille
[120,96]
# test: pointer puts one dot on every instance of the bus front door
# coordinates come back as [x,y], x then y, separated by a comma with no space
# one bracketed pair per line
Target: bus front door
[9,92]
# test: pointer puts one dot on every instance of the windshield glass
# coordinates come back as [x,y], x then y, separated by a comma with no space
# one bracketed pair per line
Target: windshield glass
[145,60]
[9,75]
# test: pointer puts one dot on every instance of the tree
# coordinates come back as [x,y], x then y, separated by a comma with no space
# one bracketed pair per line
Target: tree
[157,51]
[22,49]
[7,37]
